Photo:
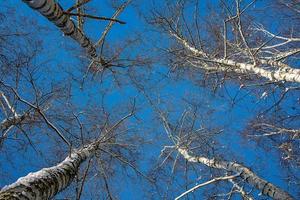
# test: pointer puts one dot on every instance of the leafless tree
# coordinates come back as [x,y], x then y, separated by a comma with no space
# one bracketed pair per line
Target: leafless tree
[46,108]
[235,43]
[228,42]
[188,141]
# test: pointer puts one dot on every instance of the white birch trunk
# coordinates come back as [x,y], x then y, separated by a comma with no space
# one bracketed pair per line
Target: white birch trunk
[54,13]
[283,73]
[47,182]
[265,187]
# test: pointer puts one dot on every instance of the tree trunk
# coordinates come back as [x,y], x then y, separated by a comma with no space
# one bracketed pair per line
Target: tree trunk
[47,182]
[54,12]
[265,187]
[282,72]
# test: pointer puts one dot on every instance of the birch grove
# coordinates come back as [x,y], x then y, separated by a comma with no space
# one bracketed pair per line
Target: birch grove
[179,99]
[230,44]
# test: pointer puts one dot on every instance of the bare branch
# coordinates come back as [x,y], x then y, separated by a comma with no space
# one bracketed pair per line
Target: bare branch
[222,178]
[95,17]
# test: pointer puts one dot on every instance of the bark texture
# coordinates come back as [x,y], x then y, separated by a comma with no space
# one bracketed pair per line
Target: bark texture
[7,123]
[47,182]
[280,71]
[264,186]
[54,13]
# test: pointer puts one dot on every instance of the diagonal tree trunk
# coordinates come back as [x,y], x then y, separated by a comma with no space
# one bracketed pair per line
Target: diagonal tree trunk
[265,187]
[282,73]
[47,182]
[54,12]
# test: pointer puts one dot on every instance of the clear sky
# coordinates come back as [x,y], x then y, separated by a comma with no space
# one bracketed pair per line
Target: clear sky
[61,60]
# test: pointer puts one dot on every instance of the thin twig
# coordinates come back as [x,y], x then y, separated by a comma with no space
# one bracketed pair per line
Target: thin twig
[83,180]
[95,17]
[222,178]
[111,23]
[77,5]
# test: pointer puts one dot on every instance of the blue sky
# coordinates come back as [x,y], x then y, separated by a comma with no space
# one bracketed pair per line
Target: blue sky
[61,54]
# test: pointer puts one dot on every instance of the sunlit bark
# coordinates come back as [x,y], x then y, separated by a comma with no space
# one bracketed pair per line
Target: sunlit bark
[47,182]
[282,73]
[265,187]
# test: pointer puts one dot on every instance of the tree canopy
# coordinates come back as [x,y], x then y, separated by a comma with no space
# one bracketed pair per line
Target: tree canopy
[133,99]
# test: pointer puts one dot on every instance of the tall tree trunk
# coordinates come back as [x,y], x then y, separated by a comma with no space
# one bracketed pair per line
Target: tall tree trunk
[282,72]
[47,182]
[54,12]
[265,187]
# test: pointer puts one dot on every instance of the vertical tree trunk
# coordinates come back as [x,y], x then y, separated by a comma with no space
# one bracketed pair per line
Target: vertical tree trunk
[47,182]
[265,187]
[54,12]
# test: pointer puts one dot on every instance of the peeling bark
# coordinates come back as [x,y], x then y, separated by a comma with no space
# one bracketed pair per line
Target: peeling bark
[54,13]
[47,182]
[264,186]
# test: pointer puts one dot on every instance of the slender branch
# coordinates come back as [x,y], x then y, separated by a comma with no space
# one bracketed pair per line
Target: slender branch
[95,17]
[83,179]
[240,190]
[129,164]
[54,127]
[225,39]
[80,20]
[77,5]
[111,23]
[11,108]
[39,111]
[222,178]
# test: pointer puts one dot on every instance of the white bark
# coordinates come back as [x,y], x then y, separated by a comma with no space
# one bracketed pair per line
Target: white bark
[204,184]
[282,73]
[11,108]
[5,124]
[47,182]
[54,12]
[265,187]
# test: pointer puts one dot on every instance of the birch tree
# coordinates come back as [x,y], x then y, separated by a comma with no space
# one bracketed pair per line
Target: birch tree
[231,43]
[47,182]
[43,111]
[187,140]
[54,12]
[81,128]
[61,18]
